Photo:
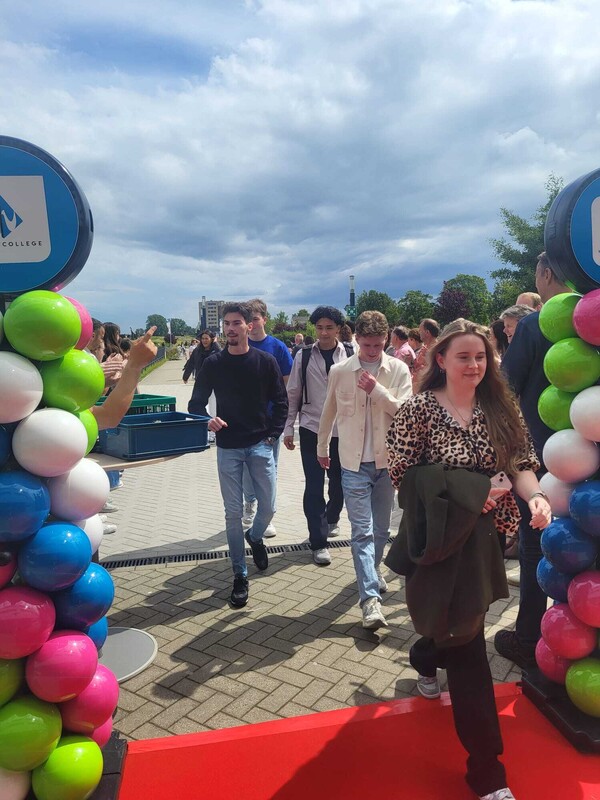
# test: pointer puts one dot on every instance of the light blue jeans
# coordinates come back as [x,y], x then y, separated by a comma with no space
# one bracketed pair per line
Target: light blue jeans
[369,496]
[249,493]
[230,464]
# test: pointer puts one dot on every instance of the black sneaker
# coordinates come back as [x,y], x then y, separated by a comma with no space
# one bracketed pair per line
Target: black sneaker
[509,647]
[259,553]
[239,595]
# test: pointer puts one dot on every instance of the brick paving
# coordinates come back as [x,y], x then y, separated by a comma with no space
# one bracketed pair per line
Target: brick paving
[296,648]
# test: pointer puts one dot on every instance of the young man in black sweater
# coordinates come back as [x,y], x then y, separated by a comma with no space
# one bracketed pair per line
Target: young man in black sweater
[251,412]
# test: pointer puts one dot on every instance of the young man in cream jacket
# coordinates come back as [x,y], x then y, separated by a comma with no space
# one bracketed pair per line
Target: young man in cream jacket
[363,394]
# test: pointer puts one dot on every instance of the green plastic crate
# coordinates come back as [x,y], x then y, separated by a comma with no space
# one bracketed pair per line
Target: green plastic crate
[148,404]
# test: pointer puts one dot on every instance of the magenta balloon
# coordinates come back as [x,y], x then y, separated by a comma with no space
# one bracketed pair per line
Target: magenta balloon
[62,667]
[87,327]
[565,634]
[101,735]
[27,618]
[584,597]
[552,666]
[94,705]
[586,317]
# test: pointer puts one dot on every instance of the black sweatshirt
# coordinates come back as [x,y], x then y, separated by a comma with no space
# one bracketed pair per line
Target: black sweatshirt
[251,396]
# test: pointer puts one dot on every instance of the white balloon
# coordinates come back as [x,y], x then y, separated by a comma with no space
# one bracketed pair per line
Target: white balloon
[21,387]
[14,785]
[559,494]
[584,413]
[570,457]
[79,493]
[49,442]
[93,527]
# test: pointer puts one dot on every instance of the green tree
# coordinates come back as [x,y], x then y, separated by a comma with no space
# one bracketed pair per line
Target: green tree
[476,294]
[413,307]
[179,327]
[160,322]
[520,254]
[377,301]
[302,313]
[504,295]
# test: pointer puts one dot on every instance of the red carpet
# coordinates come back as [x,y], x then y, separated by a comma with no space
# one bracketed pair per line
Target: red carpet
[405,749]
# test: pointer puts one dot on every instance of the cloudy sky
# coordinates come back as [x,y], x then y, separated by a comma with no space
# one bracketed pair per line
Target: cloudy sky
[234,148]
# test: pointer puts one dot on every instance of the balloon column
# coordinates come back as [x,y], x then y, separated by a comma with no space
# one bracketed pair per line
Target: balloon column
[56,700]
[568,650]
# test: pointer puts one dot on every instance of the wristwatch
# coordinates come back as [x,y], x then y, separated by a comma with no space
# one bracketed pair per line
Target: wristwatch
[271,440]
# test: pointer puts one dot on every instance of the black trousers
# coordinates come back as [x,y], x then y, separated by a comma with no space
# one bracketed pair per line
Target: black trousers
[473,706]
[318,513]
[532,600]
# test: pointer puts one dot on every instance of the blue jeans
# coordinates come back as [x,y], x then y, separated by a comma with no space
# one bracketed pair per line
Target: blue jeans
[369,496]
[249,493]
[230,464]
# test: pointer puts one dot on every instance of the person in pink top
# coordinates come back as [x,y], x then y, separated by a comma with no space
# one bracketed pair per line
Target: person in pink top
[402,349]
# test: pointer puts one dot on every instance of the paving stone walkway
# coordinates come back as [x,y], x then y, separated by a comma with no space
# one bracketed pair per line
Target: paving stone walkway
[296,648]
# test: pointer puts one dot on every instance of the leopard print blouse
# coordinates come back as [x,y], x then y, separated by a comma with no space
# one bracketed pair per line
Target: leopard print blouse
[423,432]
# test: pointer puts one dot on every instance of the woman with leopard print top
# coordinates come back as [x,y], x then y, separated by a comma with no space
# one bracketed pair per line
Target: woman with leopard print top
[464,415]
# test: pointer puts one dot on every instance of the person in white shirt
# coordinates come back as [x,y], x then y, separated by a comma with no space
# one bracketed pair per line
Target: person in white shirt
[363,396]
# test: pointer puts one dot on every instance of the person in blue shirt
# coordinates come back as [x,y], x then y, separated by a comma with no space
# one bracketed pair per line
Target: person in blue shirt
[261,340]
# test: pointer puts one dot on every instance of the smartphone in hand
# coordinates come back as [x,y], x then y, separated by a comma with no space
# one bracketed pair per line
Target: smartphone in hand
[500,484]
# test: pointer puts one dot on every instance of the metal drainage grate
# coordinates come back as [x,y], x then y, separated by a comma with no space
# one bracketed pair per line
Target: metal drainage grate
[213,555]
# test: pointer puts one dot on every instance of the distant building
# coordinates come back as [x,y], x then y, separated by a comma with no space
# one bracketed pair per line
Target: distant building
[210,314]
[300,319]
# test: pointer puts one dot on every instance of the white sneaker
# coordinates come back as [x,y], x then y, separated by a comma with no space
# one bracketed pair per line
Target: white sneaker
[249,514]
[428,687]
[269,531]
[334,530]
[383,587]
[499,794]
[321,557]
[108,528]
[372,615]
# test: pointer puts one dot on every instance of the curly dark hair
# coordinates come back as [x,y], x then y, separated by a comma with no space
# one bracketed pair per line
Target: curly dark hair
[327,312]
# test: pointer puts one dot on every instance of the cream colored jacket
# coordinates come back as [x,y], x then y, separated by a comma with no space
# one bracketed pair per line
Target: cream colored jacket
[346,404]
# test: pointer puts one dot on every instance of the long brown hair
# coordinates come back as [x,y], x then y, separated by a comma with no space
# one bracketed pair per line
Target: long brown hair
[496,400]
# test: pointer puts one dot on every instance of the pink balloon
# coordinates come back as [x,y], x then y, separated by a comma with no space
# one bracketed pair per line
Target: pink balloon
[94,705]
[584,597]
[7,570]
[87,327]
[586,317]
[62,667]
[566,635]
[101,735]
[27,618]
[552,666]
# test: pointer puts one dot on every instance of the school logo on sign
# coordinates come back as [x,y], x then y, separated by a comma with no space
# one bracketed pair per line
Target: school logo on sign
[9,219]
[24,236]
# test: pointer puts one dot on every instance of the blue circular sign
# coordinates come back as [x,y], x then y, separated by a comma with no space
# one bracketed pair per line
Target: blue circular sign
[46,226]
[572,233]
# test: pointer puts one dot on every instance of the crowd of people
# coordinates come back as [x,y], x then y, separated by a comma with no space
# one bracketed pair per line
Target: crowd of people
[447,419]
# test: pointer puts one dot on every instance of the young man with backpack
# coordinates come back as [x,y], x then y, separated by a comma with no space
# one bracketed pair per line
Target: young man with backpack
[307,389]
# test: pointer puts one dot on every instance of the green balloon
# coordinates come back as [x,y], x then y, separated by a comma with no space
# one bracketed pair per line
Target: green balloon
[72,772]
[553,408]
[88,420]
[556,316]
[29,732]
[73,382]
[12,671]
[42,325]
[572,365]
[583,685]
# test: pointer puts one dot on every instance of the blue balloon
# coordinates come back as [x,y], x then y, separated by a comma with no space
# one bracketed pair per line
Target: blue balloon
[98,632]
[584,507]
[24,505]
[552,582]
[570,549]
[55,557]
[86,601]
